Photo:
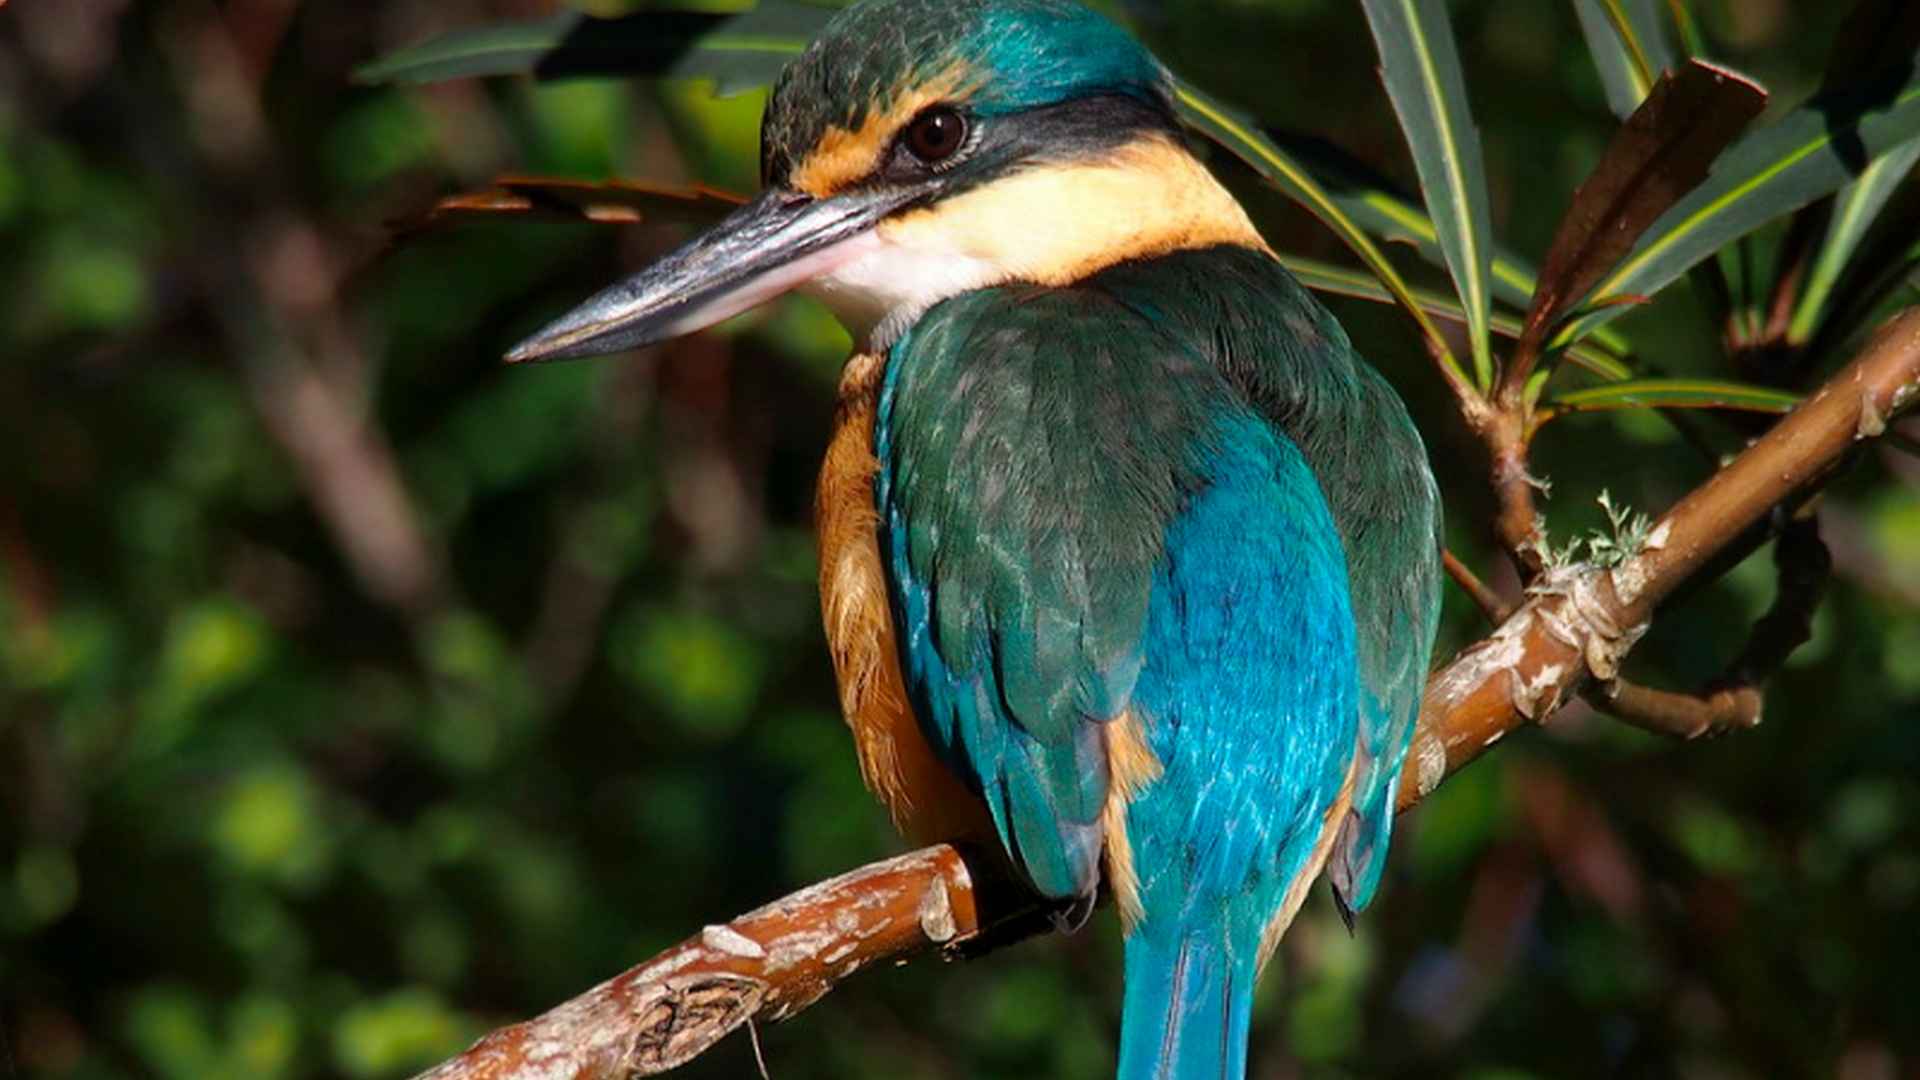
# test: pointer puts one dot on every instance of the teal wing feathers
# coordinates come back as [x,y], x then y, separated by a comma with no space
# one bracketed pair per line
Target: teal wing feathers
[1034,446]
[1291,359]
[1393,549]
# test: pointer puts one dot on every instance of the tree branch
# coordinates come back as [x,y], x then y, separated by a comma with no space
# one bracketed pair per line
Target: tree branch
[1484,596]
[1735,700]
[767,964]
[1516,520]
[275,287]
[1578,623]
[1676,714]
[1581,621]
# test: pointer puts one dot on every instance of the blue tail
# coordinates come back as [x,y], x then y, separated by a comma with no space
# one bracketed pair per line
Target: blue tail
[1188,1002]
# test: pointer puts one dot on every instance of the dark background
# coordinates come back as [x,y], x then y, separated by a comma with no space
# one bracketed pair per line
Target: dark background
[358,694]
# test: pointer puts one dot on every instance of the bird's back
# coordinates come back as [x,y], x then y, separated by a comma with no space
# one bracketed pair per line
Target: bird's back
[1293,362]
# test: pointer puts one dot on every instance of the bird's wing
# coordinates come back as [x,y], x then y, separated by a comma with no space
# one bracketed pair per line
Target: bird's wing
[1034,445]
[1293,362]
[1392,528]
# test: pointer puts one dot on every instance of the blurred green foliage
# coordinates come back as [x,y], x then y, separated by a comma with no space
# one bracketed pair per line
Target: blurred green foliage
[357,695]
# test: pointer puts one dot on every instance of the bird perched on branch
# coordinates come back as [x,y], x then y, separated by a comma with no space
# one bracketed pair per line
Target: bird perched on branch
[1127,558]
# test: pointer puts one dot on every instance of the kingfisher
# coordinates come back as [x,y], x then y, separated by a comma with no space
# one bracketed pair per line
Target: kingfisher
[1128,562]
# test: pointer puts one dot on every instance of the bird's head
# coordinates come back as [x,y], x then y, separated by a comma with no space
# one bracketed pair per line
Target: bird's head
[923,148]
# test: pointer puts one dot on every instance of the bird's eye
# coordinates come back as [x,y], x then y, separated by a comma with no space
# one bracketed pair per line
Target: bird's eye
[936,134]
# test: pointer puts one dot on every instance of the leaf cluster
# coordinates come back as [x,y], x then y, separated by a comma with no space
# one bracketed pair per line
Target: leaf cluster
[1684,181]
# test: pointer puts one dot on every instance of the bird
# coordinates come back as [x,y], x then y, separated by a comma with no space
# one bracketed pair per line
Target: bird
[1129,563]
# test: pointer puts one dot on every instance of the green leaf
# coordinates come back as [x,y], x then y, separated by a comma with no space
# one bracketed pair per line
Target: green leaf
[703,670]
[1662,152]
[1814,151]
[1876,273]
[1421,68]
[1628,38]
[1854,209]
[1243,138]
[1876,34]
[1629,47]
[1377,208]
[1692,41]
[1340,281]
[1362,194]
[1675,394]
[737,51]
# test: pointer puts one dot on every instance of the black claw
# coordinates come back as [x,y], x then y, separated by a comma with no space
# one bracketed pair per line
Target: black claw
[1073,915]
[1347,914]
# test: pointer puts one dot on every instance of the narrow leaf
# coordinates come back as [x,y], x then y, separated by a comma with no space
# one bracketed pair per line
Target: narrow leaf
[1340,281]
[1663,151]
[1629,46]
[1243,138]
[1876,272]
[1712,278]
[1875,34]
[1421,68]
[1675,394]
[1854,209]
[737,51]
[1812,152]
[1692,41]
[1378,207]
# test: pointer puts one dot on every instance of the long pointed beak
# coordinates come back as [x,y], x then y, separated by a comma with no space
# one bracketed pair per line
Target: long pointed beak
[773,244]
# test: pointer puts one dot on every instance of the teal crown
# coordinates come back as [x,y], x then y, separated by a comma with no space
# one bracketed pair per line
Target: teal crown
[1014,54]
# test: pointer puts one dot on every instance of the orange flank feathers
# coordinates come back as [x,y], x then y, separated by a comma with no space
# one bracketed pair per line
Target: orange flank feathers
[1310,873]
[1131,765]
[927,802]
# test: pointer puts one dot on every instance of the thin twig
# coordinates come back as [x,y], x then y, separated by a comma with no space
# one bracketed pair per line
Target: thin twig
[1803,566]
[277,286]
[1735,700]
[1675,714]
[1494,606]
[759,1055]
[1516,520]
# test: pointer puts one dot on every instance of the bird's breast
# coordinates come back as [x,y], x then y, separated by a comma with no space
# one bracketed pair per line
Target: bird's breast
[926,801]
